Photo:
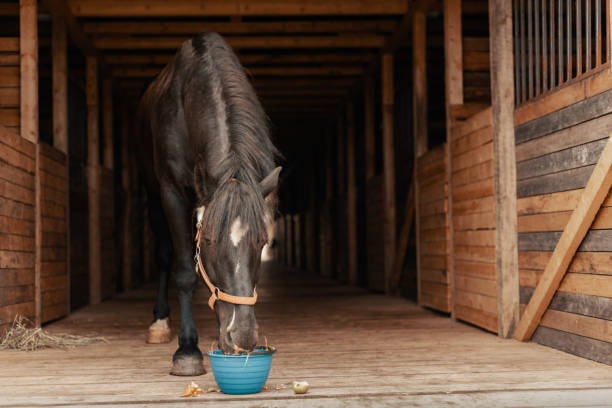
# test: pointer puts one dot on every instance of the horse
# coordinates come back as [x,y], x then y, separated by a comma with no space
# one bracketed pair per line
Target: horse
[204,151]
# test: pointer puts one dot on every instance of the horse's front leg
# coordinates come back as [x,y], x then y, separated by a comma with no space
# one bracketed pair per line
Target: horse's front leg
[187,360]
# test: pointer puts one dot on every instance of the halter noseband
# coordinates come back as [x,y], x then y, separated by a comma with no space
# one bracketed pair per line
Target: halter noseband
[216,293]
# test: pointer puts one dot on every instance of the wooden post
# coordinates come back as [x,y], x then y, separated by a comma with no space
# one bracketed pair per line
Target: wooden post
[60,114]
[453,74]
[351,194]
[370,140]
[419,109]
[341,153]
[60,84]
[28,44]
[107,111]
[93,171]
[126,265]
[389,166]
[502,98]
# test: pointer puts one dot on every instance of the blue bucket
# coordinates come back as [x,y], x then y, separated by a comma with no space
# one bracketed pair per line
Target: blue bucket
[242,373]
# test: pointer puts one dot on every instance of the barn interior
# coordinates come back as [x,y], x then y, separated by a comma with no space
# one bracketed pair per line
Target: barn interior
[450,153]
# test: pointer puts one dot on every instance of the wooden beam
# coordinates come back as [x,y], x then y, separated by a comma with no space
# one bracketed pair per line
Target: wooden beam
[582,217]
[419,109]
[126,170]
[244,27]
[504,157]
[370,137]
[28,44]
[351,182]
[246,42]
[212,8]
[388,166]
[250,59]
[93,171]
[453,75]
[60,84]
[107,112]
[134,72]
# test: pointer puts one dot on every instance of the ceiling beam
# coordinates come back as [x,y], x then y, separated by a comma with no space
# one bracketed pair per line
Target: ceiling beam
[244,27]
[267,42]
[136,72]
[190,8]
[248,59]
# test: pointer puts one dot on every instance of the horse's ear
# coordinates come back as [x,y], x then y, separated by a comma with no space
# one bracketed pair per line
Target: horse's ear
[268,184]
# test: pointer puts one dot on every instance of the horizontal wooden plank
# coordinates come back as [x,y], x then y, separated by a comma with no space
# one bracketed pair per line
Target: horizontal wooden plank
[576,303]
[572,115]
[9,225]
[434,235]
[472,140]
[433,248]
[565,180]
[14,209]
[8,313]
[436,207]
[484,303]
[554,202]
[576,135]
[476,205]
[53,269]
[475,238]
[595,241]
[486,287]
[13,139]
[479,318]
[11,242]
[435,288]
[9,116]
[440,303]
[484,270]
[430,222]
[9,97]
[475,221]
[578,156]
[474,253]
[18,260]
[472,174]
[437,276]
[476,61]
[588,284]
[55,282]
[586,326]
[9,44]
[472,157]
[9,77]
[186,8]
[478,121]
[575,344]
[479,189]
[583,262]
[16,294]
[433,262]
[557,221]
[16,277]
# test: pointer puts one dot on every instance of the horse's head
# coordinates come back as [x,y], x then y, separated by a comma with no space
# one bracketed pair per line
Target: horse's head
[235,229]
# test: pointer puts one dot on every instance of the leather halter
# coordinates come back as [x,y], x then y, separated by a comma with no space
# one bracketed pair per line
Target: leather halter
[216,293]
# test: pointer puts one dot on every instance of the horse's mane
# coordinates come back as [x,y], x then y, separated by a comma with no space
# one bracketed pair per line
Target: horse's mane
[251,154]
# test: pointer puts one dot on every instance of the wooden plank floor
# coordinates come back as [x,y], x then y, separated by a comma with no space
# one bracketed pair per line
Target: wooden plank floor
[354,348]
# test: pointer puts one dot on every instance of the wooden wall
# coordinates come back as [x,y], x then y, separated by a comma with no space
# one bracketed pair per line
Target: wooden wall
[54,285]
[107,232]
[17,227]
[555,155]
[9,82]
[433,231]
[375,233]
[475,296]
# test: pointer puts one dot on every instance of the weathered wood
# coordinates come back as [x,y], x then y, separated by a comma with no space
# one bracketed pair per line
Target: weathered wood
[28,44]
[388,166]
[594,241]
[572,343]
[577,303]
[108,128]
[186,8]
[583,262]
[578,156]
[550,183]
[93,172]
[60,84]
[594,194]
[351,195]
[244,42]
[572,115]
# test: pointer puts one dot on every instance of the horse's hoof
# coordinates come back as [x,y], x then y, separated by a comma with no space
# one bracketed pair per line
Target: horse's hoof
[159,332]
[187,366]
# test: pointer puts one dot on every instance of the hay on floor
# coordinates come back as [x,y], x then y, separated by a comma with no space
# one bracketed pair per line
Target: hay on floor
[24,336]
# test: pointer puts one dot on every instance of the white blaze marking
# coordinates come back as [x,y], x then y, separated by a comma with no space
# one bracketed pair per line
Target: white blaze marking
[232,322]
[237,231]
[199,213]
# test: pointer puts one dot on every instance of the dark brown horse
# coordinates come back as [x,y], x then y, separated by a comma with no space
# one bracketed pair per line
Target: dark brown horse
[204,144]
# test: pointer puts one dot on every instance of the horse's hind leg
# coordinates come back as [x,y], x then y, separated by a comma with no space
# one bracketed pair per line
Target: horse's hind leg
[187,360]
[159,331]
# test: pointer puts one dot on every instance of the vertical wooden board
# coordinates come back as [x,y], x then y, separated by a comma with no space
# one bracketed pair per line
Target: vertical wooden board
[60,83]
[28,44]
[351,195]
[389,167]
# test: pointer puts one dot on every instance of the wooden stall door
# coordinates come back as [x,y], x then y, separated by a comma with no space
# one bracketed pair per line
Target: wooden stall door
[475,291]
[9,83]
[434,286]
